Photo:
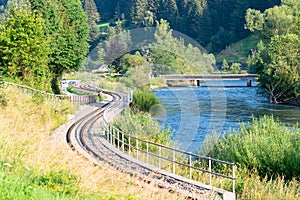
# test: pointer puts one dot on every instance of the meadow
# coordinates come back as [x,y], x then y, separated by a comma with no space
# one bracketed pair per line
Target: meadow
[33,165]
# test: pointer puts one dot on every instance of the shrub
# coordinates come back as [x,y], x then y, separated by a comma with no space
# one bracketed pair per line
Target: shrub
[143,100]
[265,145]
[142,125]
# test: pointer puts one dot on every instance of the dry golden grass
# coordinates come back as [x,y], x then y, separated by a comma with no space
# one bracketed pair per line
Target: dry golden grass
[25,131]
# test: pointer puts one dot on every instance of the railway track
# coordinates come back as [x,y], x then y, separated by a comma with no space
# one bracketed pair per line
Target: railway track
[85,135]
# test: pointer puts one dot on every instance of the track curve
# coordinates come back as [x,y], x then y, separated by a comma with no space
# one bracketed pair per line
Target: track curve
[87,137]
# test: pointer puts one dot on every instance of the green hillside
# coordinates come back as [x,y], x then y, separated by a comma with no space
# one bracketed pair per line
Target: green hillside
[239,51]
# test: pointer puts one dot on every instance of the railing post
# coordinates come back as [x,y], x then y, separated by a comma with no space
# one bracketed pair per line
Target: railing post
[209,169]
[107,132]
[137,148]
[190,166]
[159,155]
[174,159]
[118,139]
[233,180]
[111,134]
[123,145]
[147,152]
[129,145]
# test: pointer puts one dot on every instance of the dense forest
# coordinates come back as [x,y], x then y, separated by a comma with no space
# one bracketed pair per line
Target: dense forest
[213,23]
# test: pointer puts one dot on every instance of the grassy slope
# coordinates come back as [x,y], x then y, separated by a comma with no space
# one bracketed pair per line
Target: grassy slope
[41,168]
[239,51]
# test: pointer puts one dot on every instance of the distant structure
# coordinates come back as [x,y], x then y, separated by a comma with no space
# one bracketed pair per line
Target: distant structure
[252,52]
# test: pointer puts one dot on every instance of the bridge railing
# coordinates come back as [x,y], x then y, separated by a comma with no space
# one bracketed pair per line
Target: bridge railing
[75,99]
[185,164]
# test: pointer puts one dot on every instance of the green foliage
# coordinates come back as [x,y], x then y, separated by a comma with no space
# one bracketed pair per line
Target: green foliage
[68,31]
[239,51]
[137,13]
[265,145]
[137,77]
[277,61]
[116,45]
[60,182]
[143,100]
[78,92]
[24,47]
[277,65]
[235,68]
[225,65]
[129,61]
[213,23]
[24,183]
[143,126]
[171,55]
[278,20]
[90,9]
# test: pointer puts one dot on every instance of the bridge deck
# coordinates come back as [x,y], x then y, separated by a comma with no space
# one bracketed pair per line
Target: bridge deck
[209,77]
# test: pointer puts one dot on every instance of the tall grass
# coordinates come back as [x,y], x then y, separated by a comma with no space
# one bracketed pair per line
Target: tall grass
[267,154]
[143,126]
[266,145]
[35,165]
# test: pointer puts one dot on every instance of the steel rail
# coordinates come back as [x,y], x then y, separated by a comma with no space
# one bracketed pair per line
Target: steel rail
[81,134]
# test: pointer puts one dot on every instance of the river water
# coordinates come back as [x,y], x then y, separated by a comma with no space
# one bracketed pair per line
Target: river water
[220,106]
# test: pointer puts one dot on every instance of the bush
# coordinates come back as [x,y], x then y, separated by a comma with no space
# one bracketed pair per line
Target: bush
[266,145]
[143,100]
[143,126]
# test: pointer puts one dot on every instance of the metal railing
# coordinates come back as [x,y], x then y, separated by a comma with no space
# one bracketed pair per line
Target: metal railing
[186,164]
[74,99]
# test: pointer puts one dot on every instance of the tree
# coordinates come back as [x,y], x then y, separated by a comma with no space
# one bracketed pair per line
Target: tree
[148,19]
[138,10]
[129,61]
[167,9]
[24,47]
[117,45]
[235,68]
[68,31]
[225,65]
[171,54]
[90,9]
[137,77]
[277,65]
[279,20]
[277,60]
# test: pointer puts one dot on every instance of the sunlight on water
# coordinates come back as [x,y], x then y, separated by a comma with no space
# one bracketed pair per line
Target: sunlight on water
[195,112]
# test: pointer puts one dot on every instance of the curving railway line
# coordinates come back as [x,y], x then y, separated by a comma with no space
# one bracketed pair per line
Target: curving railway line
[85,136]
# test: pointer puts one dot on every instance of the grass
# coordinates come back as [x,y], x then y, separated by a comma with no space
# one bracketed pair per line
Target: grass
[34,165]
[239,51]
[267,155]
[78,92]
[103,26]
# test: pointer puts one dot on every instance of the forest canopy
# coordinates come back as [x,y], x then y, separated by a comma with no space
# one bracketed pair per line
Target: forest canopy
[213,23]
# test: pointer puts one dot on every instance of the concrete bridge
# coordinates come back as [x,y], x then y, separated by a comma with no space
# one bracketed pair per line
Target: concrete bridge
[197,78]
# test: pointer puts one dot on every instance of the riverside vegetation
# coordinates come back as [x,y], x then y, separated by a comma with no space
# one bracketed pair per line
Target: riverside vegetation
[33,165]
[27,173]
[267,155]
[265,152]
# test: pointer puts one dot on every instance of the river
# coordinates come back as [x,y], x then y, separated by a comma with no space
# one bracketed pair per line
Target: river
[195,112]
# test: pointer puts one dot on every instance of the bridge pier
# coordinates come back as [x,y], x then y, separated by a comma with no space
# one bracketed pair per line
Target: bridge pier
[249,83]
[197,83]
